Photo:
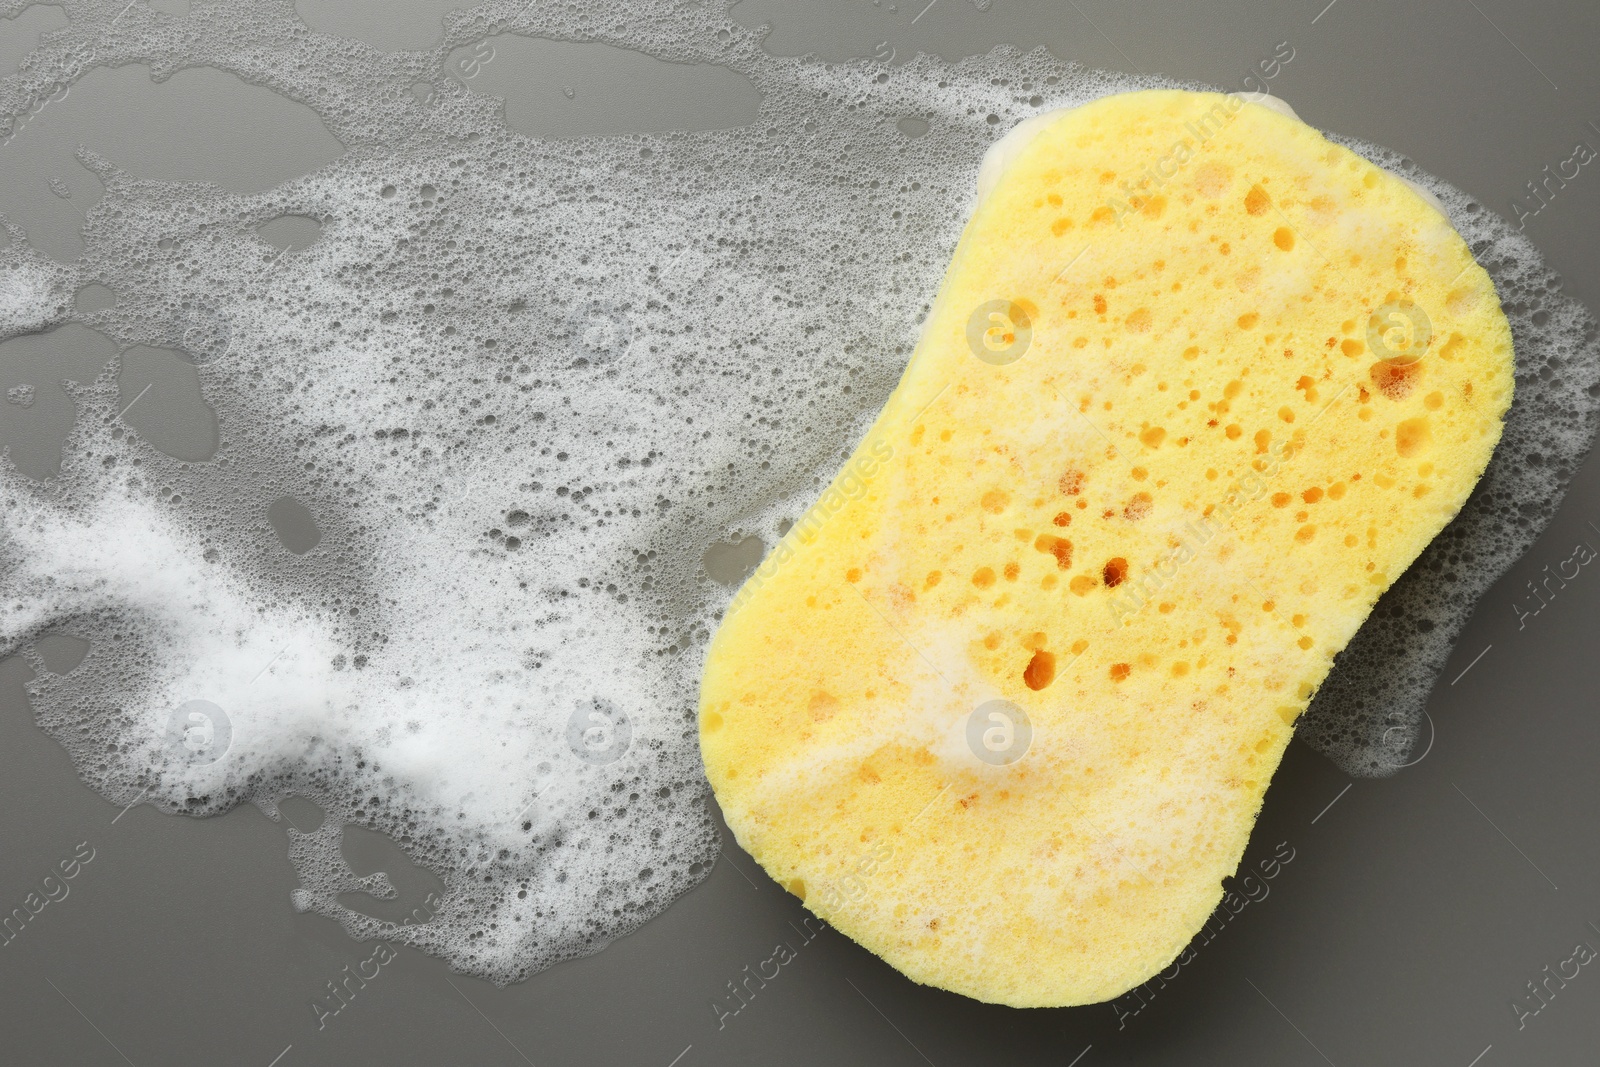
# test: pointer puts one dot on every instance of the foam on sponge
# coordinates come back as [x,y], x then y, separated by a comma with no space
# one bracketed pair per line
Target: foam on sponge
[1198,386]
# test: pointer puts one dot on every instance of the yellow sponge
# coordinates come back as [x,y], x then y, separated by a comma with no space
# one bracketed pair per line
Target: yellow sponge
[1198,386]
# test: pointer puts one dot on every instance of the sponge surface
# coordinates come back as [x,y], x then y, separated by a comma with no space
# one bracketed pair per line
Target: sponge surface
[1197,387]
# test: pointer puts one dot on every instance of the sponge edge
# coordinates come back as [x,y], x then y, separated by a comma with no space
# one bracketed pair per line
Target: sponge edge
[1198,385]
[1001,154]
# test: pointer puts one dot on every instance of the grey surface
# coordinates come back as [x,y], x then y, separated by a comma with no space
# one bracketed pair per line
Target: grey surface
[1415,908]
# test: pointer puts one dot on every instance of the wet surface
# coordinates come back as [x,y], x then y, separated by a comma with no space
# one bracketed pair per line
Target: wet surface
[562,89]
[198,125]
[1406,929]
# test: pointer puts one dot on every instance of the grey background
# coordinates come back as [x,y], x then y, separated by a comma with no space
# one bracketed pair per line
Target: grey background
[1414,911]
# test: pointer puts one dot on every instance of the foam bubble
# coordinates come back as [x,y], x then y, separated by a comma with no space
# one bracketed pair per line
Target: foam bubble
[521,387]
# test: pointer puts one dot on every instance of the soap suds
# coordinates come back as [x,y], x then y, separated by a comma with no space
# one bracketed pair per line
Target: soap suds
[521,387]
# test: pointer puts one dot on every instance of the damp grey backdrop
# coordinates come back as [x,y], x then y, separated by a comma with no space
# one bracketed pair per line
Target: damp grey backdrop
[1414,913]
